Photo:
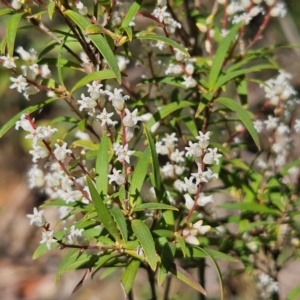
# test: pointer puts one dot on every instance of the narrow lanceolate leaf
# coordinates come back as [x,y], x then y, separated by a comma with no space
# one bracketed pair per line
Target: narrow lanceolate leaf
[220,56]
[243,116]
[155,163]
[153,205]
[183,275]
[59,56]
[217,269]
[64,263]
[167,258]
[98,40]
[145,238]
[5,11]
[229,76]
[103,212]
[51,8]
[12,27]
[294,294]
[139,174]
[121,222]
[17,117]
[100,75]
[132,11]
[102,165]
[129,274]
[167,110]
[254,207]
[164,40]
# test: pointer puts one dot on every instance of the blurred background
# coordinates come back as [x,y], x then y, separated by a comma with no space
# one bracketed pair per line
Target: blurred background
[23,278]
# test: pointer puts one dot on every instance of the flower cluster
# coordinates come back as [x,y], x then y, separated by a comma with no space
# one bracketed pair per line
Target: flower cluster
[281,96]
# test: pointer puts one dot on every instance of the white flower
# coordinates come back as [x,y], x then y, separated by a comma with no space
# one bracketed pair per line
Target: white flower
[203,139]
[35,177]
[61,152]
[161,149]
[271,123]
[200,228]
[167,170]
[211,156]
[47,237]
[199,176]
[8,62]
[170,139]
[118,100]
[160,13]
[19,83]
[124,154]
[39,152]
[25,55]
[45,71]
[131,118]
[193,150]
[30,90]
[117,177]
[16,4]
[279,10]
[177,156]
[189,185]
[189,82]
[24,123]
[30,72]
[86,102]
[37,218]
[105,118]
[46,133]
[81,8]
[122,62]
[209,175]
[258,125]
[297,125]
[282,129]
[189,234]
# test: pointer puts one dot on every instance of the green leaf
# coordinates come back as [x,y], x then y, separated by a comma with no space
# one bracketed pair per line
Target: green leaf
[227,77]
[86,144]
[217,269]
[220,56]
[129,274]
[128,31]
[29,109]
[167,110]
[100,75]
[11,32]
[103,213]
[139,174]
[153,205]
[294,294]
[167,258]
[163,39]
[145,238]
[254,207]
[5,11]
[182,245]
[163,232]
[155,163]
[51,8]
[184,276]
[130,14]
[61,62]
[59,55]
[94,29]
[121,222]
[243,116]
[63,264]
[98,40]
[102,165]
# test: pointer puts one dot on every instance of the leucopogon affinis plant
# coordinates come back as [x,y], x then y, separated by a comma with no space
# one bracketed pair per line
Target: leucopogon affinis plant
[158,123]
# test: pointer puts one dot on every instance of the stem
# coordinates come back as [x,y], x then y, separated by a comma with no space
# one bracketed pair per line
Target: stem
[152,282]
[201,272]
[167,288]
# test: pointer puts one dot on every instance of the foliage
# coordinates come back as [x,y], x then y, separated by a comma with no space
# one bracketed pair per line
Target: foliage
[140,172]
